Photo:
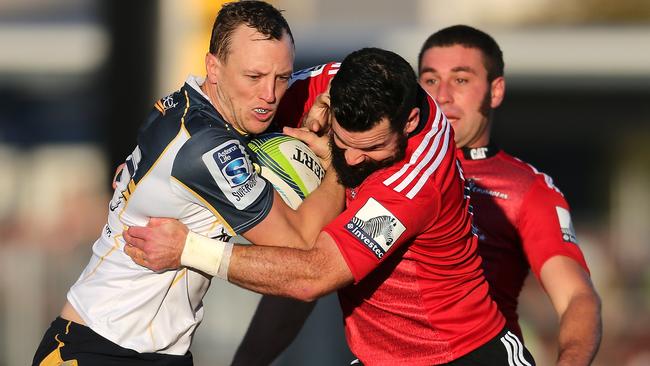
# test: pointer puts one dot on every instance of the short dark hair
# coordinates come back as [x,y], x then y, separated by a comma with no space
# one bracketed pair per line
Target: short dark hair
[256,14]
[469,37]
[372,84]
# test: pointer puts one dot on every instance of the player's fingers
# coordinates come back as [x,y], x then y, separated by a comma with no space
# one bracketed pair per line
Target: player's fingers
[133,237]
[139,232]
[313,126]
[138,256]
[301,134]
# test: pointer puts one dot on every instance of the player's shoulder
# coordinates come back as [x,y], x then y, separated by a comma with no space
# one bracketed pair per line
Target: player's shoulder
[528,174]
[401,183]
[213,155]
[210,139]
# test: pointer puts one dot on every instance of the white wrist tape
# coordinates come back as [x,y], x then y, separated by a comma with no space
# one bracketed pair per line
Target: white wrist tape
[206,255]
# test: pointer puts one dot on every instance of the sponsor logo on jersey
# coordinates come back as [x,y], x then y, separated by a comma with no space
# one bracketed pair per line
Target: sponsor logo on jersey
[168,102]
[566,225]
[113,205]
[375,227]
[478,153]
[222,235]
[165,103]
[231,169]
[232,163]
[488,192]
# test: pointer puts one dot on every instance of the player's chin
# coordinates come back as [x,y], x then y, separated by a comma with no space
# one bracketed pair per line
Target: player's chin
[257,126]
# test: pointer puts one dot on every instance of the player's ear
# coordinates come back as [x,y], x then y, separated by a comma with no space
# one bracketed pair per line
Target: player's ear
[498,90]
[212,67]
[412,121]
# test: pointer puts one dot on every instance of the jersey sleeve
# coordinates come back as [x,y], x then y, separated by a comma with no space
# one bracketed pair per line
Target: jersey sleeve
[375,225]
[305,86]
[215,171]
[546,228]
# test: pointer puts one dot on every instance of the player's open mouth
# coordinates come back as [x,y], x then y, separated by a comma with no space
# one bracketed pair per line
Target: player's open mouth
[262,110]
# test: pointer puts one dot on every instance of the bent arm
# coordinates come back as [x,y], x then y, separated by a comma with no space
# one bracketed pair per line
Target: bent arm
[578,307]
[276,323]
[301,274]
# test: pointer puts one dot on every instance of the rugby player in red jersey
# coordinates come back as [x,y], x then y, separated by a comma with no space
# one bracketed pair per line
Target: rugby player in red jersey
[402,255]
[523,220]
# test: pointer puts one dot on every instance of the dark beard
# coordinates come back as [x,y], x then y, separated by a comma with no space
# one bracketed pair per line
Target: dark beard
[352,176]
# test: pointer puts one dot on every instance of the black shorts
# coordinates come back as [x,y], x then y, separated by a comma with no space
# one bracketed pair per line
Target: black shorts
[67,343]
[505,349]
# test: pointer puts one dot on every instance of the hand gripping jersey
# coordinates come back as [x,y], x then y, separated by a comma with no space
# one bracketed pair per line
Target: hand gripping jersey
[419,296]
[191,165]
[522,221]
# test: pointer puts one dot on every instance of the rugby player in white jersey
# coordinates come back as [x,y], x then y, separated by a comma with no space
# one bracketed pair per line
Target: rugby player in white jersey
[191,163]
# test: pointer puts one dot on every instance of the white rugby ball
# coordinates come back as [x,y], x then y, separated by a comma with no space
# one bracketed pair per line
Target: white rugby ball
[289,164]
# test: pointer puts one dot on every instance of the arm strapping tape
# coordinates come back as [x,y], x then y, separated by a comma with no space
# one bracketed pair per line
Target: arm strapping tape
[211,256]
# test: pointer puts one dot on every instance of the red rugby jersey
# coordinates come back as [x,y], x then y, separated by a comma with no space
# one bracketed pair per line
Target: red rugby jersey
[304,86]
[522,221]
[419,296]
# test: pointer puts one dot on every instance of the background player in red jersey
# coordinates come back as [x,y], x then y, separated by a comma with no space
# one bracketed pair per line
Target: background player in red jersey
[523,220]
[402,254]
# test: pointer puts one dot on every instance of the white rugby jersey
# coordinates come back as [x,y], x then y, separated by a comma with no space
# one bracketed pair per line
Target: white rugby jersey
[191,165]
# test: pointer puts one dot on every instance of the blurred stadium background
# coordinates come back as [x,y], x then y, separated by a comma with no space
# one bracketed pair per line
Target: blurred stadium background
[78,76]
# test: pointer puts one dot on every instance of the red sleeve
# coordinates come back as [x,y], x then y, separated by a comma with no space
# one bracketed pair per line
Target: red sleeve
[305,86]
[374,225]
[546,228]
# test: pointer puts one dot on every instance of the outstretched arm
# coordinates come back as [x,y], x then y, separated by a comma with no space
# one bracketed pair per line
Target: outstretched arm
[578,307]
[301,274]
[276,323]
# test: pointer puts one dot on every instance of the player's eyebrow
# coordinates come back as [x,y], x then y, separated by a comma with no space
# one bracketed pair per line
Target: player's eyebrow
[455,69]
[428,69]
[365,148]
[464,69]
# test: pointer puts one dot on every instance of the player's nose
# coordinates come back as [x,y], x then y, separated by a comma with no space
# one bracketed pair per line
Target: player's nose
[354,156]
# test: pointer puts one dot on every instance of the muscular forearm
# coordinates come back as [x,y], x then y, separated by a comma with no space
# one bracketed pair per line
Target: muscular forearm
[279,271]
[580,331]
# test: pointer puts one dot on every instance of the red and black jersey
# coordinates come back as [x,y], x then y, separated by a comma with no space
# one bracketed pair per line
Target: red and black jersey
[522,220]
[419,296]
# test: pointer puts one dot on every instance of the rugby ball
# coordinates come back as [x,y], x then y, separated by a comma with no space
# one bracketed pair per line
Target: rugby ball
[288,164]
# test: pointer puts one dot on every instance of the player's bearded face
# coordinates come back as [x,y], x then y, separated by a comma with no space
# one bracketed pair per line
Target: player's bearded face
[351,176]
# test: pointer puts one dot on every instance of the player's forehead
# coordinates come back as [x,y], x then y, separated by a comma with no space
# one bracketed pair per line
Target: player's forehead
[379,135]
[456,58]
[251,50]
